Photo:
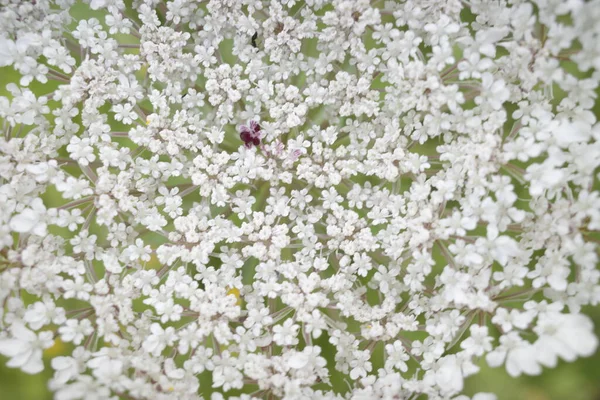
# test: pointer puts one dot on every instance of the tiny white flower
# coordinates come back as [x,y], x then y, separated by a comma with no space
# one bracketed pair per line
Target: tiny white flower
[25,347]
[31,219]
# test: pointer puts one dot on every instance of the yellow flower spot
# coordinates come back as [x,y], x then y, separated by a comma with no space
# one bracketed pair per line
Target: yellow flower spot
[148,120]
[57,349]
[235,292]
[171,389]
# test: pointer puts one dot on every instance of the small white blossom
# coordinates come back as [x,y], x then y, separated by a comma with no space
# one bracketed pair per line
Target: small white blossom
[25,347]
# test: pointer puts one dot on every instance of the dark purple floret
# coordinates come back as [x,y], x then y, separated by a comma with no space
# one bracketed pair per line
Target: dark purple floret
[250,135]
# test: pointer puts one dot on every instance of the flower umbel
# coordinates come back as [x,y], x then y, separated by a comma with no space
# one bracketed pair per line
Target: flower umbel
[423,196]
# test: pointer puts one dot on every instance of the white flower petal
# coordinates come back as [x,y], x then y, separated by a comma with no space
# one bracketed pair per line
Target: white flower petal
[24,222]
[298,361]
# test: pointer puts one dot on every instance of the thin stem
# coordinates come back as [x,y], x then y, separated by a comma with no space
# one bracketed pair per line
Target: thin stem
[89,173]
[129,46]
[76,203]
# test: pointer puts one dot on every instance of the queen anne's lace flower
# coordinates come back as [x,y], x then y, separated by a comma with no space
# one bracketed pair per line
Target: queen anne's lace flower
[264,197]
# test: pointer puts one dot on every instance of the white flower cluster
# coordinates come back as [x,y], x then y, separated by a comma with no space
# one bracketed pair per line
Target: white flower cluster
[326,199]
